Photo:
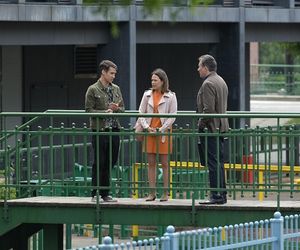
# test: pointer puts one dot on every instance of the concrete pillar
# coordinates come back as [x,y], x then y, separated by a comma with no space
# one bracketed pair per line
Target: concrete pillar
[53,237]
[18,238]
[121,50]
[231,60]
[132,58]
[1,84]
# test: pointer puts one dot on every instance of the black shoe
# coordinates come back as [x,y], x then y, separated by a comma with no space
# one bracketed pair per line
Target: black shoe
[108,199]
[211,201]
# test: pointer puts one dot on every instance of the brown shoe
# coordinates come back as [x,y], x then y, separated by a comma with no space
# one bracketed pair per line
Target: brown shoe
[151,197]
[164,197]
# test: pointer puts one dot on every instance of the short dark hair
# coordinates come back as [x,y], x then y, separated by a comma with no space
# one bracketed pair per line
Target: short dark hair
[163,77]
[106,64]
[209,62]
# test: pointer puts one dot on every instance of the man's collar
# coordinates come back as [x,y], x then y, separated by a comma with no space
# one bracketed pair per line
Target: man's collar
[209,74]
[102,85]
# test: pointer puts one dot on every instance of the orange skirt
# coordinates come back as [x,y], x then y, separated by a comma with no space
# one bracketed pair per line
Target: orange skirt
[153,145]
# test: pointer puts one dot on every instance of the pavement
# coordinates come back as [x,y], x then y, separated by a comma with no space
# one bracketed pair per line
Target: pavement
[83,241]
[275,104]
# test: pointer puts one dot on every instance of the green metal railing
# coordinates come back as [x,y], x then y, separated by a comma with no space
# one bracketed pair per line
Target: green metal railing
[279,79]
[51,154]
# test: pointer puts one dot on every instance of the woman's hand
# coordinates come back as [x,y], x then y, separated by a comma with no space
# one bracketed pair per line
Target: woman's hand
[151,130]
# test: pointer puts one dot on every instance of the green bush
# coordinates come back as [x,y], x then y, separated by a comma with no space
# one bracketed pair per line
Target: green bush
[11,195]
[12,191]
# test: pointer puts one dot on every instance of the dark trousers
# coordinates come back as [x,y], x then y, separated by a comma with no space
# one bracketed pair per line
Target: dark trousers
[214,160]
[106,157]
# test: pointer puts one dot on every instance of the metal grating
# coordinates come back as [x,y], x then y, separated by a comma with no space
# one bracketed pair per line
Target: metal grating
[85,61]
[66,2]
[247,2]
[8,1]
[263,2]
[228,3]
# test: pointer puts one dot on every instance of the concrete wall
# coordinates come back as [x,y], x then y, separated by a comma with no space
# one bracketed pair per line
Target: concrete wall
[180,62]
[37,33]
[12,78]
[48,49]
[12,99]
[49,80]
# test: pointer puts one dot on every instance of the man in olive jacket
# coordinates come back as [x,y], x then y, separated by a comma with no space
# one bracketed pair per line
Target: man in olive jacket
[212,99]
[104,97]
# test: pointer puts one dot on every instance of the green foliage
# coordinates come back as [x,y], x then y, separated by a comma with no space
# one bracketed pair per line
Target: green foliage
[271,53]
[151,7]
[275,52]
[292,48]
[11,193]
[293,121]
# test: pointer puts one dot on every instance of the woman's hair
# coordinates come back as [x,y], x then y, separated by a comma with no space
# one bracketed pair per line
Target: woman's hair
[163,77]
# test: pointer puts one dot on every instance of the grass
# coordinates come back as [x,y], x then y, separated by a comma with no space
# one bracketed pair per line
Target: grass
[293,121]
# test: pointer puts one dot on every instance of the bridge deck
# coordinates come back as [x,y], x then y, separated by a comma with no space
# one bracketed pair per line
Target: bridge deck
[61,210]
[125,203]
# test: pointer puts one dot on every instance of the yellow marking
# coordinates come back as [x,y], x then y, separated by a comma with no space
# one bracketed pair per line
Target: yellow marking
[135,231]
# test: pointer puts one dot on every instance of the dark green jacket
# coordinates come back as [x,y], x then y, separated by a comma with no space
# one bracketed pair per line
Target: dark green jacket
[96,101]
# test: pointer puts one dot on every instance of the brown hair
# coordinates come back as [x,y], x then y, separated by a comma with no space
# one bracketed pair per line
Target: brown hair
[163,77]
[105,65]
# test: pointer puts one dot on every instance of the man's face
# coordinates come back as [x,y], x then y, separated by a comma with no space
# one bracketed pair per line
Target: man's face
[203,71]
[109,75]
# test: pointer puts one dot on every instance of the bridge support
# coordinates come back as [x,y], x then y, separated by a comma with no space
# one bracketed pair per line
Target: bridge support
[53,237]
[18,238]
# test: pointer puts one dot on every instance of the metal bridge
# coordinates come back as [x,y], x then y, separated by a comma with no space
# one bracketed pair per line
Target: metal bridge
[46,176]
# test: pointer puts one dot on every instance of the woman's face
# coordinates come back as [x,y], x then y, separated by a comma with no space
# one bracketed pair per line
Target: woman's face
[156,82]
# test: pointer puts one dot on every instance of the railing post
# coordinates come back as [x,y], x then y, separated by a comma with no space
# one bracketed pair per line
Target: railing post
[277,231]
[107,244]
[296,143]
[174,238]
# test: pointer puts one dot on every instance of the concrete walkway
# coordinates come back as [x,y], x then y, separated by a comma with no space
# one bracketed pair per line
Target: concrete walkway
[275,105]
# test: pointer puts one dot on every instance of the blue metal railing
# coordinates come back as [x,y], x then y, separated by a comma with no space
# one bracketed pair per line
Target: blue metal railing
[278,233]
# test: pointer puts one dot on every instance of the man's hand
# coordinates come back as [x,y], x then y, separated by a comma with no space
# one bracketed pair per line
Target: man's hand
[113,106]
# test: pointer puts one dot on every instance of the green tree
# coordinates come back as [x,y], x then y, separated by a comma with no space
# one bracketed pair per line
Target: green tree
[282,53]
[150,7]
[275,52]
